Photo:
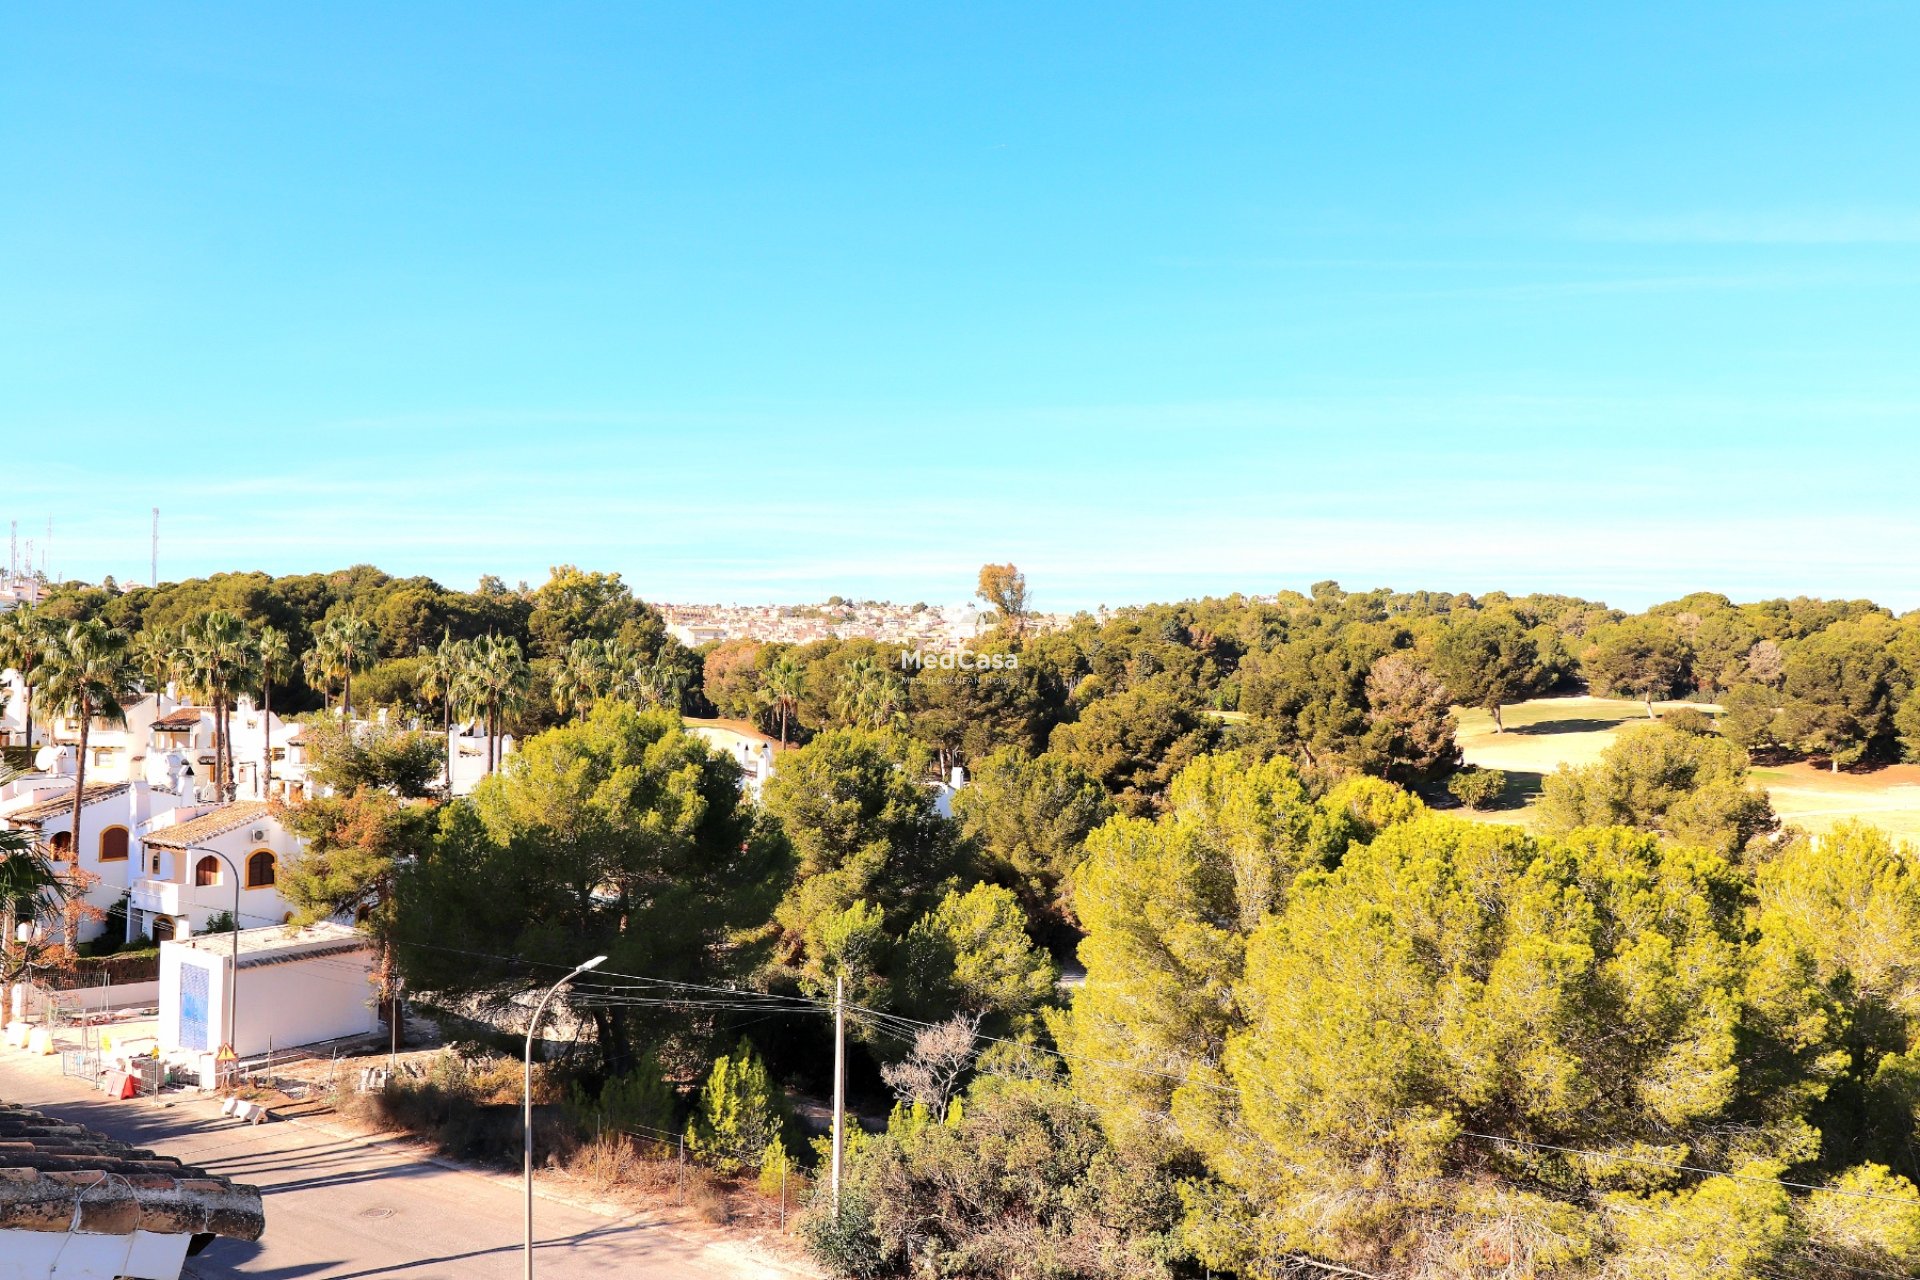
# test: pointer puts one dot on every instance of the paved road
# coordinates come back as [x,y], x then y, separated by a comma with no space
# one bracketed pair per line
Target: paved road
[341,1210]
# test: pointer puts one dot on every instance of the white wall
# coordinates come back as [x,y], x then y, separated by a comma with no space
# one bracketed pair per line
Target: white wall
[122,995]
[138,804]
[301,1001]
[201,902]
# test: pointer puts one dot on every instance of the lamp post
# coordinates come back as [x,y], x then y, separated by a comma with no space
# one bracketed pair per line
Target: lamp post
[233,975]
[527,1099]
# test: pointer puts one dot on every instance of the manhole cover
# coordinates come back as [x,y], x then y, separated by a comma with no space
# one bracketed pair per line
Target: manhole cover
[377,1213]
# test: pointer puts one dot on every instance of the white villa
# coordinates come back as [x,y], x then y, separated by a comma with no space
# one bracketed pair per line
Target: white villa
[163,740]
[169,743]
[173,856]
[192,859]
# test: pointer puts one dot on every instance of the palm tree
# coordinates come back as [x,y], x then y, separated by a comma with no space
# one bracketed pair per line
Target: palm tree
[272,664]
[316,665]
[155,655]
[83,675]
[24,639]
[869,694]
[496,679]
[587,671]
[351,646]
[786,681]
[218,660]
[662,682]
[440,678]
[30,885]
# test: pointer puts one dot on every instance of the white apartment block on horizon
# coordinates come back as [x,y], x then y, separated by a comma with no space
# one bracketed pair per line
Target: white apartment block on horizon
[925,627]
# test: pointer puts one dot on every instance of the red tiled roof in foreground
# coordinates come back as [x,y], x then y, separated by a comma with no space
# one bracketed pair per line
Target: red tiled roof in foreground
[54,1175]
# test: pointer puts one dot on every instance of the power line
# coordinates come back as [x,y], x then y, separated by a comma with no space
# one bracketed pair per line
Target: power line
[744,1000]
[633,977]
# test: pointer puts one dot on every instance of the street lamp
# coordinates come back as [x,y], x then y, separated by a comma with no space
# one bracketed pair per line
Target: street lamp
[233,978]
[538,1012]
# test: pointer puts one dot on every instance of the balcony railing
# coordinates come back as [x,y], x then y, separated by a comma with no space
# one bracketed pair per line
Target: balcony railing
[159,896]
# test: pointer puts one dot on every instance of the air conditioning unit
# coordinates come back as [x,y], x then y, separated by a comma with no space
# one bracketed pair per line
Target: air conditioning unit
[259,834]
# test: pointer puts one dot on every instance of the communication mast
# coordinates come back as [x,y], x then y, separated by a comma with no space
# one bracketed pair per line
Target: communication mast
[154,581]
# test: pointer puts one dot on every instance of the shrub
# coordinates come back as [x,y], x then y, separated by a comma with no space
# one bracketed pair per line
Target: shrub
[640,1103]
[844,1242]
[1688,720]
[606,1162]
[136,963]
[1022,1182]
[775,1166]
[1477,788]
[739,1113]
[706,1197]
[469,1109]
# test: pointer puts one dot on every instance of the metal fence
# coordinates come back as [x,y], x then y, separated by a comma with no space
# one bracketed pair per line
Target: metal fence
[82,1064]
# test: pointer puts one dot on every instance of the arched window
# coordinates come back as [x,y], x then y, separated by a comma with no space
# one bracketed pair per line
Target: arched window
[206,871]
[60,845]
[260,869]
[113,844]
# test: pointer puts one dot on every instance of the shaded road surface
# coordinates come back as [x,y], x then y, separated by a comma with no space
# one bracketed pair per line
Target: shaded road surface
[340,1210]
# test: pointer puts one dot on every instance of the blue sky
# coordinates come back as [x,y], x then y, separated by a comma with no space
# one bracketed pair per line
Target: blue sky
[769,301]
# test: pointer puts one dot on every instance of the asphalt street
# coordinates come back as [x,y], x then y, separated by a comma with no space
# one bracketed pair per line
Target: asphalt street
[338,1208]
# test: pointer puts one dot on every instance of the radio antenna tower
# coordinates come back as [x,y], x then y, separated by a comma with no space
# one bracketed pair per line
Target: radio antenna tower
[154,581]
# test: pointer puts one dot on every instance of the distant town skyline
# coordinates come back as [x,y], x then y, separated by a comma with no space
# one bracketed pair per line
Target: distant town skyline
[765,303]
[952,586]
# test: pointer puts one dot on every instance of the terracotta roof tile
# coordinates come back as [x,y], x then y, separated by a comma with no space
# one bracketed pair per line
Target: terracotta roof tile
[53,1174]
[218,822]
[180,718]
[63,802]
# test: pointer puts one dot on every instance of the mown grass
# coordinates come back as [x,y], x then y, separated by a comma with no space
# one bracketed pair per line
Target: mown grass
[1547,732]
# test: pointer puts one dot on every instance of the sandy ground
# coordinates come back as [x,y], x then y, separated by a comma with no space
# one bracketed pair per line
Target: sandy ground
[728,735]
[1546,733]
[1811,797]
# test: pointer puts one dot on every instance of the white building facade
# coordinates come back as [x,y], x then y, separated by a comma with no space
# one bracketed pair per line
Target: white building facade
[204,861]
[287,987]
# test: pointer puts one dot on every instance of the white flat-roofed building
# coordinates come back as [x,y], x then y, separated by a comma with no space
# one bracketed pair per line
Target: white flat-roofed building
[296,986]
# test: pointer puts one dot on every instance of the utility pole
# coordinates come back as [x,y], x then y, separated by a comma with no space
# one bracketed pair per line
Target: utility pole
[839,1084]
